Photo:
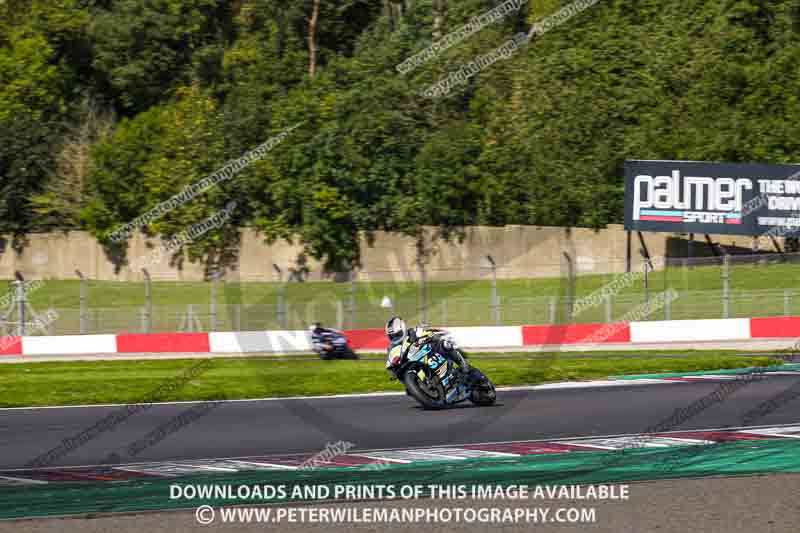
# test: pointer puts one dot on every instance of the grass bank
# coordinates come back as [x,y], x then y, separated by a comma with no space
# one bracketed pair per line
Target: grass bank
[98,382]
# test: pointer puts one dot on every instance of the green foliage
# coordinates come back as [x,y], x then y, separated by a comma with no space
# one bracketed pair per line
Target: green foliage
[145,49]
[31,96]
[539,138]
[66,192]
[25,153]
[160,153]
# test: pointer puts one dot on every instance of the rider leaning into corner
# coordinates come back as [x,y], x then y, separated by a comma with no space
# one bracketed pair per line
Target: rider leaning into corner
[318,341]
[401,339]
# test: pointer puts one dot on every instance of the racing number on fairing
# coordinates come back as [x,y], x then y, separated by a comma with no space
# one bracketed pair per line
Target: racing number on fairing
[435,361]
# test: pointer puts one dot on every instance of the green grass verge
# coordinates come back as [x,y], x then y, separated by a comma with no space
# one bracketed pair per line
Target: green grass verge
[96,382]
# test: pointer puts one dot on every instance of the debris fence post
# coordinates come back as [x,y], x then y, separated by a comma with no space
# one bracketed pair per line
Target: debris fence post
[84,312]
[352,299]
[571,282]
[21,301]
[147,317]
[495,304]
[726,287]
[213,304]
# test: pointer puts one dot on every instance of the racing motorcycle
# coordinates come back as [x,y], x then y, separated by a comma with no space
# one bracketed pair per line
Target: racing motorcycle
[331,344]
[436,373]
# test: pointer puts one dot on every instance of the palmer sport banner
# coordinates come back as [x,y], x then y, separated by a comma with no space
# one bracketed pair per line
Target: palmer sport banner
[719,198]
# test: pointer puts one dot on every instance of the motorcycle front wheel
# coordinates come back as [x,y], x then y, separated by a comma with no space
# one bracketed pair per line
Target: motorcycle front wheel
[429,391]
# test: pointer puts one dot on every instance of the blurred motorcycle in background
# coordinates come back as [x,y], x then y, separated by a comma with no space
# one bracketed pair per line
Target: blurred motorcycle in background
[330,343]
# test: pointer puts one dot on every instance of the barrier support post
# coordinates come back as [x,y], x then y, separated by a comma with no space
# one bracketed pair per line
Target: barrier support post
[726,287]
[281,297]
[19,284]
[644,251]
[570,286]
[627,251]
[213,304]
[495,299]
[282,306]
[352,299]
[147,319]
[423,292]
[83,313]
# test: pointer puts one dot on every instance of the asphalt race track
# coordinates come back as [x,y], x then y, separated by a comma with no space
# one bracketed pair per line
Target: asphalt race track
[259,427]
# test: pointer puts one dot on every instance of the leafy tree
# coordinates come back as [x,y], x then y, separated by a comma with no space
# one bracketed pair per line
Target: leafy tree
[31,102]
[160,153]
[537,138]
[66,191]
[25,155]
[146,49]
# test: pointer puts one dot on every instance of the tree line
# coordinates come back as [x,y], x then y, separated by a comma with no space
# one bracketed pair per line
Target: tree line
[110,107]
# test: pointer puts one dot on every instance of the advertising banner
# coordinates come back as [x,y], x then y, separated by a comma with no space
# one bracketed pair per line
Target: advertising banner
[713,198]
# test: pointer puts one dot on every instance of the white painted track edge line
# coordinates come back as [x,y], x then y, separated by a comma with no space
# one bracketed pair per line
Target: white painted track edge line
[368,453]
[543,386]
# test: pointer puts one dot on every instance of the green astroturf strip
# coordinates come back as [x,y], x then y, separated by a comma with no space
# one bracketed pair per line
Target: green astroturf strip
[734,371]
[731,458]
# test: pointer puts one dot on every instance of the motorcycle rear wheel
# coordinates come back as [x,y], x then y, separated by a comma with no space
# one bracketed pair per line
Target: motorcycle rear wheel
[348,353]
[483,391]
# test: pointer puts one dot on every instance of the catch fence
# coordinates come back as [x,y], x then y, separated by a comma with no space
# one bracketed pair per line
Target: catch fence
[711,287]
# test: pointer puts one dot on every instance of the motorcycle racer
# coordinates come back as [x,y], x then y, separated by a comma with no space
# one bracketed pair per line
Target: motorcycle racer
[329,343]
[401,338]
[433,368]
[397,333]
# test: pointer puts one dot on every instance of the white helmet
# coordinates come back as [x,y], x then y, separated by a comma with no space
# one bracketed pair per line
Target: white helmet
[395,328]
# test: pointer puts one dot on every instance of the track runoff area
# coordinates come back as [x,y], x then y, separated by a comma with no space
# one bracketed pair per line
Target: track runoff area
[550,454]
